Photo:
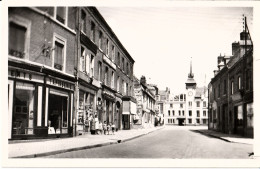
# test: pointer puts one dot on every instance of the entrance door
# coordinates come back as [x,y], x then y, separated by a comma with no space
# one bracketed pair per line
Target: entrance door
[181,122]
[126,121]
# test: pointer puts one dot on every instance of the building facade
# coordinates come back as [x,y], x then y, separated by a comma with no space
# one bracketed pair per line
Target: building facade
[65,66]
[146,99]
[189,107]
[231,90]
[41,81]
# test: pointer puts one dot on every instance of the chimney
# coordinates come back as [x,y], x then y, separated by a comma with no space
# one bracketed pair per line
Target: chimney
[235,48]
[143,80]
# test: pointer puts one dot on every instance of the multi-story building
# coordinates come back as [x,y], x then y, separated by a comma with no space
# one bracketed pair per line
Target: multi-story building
[163,98]
[189,107]
[146,100]
[105,73]
[231,90]
[65,64]
[41,81]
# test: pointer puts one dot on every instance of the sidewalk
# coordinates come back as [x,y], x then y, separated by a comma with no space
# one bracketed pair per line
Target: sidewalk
[38,148]
[227,137]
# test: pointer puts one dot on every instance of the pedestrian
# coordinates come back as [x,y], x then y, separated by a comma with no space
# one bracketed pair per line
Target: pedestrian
[113,128]
[108,128]
[100,127]
[105,127]
[96,124]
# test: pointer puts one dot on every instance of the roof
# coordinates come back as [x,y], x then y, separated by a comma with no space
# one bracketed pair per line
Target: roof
[190,80]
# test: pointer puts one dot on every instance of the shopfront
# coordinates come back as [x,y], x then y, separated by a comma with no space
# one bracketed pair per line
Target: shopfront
[109,107]
[39,105]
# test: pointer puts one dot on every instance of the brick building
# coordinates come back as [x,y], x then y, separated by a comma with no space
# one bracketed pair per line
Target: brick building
[41,81]
[231,90]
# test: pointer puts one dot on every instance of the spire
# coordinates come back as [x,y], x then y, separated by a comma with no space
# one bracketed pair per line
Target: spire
[190,74]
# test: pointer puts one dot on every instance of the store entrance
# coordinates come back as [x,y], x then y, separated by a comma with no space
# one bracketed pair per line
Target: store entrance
[58,114]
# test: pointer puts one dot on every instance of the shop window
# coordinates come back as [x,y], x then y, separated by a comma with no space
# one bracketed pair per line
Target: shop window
[23,118]
[239,116]
[92,32]
[17,36]
[61,14]
[198,103]
[198,113]
[58,113]
[59,56]
[83,21]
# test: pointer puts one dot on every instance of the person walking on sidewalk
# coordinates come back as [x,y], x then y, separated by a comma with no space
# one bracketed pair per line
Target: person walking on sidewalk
[113,128]
[96,124]
[105,127]
[108,128]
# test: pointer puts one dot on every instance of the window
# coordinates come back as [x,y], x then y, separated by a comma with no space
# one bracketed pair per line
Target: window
[204,113]
[107,48]
[198,113]
[204,103]
[112,80]
[83,21]
[179,113]
[190,113]
[113,53]
[181,105]
[118,59]
[225,87]
[183,112]
[198,103]
[100,35]
[92,32]
[61,14]
[17,36]
[58,55]
[190,104]
[232,88]
[239,82]
[23,119]
[198,121]
[118,83]
[123,64]
[130,91]
[127,68]
[190,121]
[173,113]
[82,59]
[99,70]
[123,86]
[169,113]
[171,105]
[106,76]
[91,66]
[126,89]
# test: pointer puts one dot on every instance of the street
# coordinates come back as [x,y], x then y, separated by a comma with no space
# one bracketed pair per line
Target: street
[171,142]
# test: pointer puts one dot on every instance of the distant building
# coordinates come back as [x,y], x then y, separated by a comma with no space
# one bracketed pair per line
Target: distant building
[189,107]
[146,99]
[231,90]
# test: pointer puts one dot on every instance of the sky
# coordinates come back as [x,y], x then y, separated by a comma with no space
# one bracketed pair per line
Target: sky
[164,40]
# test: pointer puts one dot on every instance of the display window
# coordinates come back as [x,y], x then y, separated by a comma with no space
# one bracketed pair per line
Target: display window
[23,118]
[58,112]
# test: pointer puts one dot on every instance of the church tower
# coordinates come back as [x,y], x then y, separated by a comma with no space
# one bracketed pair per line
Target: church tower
[190,83]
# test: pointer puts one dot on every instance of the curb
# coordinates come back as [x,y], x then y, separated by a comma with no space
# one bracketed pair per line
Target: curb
[84,147]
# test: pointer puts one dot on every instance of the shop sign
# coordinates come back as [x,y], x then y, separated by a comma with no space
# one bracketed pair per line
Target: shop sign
[60,83]
[108,93]
[23,75]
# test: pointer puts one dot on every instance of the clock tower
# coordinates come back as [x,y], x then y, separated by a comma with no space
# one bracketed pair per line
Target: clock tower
[190,95]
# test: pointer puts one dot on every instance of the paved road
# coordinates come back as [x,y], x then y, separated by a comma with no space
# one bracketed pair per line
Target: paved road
[171,142]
